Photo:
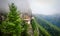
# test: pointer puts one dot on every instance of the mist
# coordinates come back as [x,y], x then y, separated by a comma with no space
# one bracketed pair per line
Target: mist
[45,7]
[22,5]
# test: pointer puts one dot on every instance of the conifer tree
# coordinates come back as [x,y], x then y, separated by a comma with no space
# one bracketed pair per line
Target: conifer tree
[13,24]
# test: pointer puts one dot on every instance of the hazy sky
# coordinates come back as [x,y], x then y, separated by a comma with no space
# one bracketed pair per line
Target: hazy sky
[46,7]
[22,5]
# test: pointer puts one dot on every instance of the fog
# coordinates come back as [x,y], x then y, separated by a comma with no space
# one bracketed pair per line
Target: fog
[22,5]
[45,7]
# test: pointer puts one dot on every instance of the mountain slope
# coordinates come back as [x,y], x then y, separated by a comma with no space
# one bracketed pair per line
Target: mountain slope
[53,29]
[42,31]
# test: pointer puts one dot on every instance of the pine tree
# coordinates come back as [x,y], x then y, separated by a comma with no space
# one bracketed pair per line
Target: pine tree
[13,24]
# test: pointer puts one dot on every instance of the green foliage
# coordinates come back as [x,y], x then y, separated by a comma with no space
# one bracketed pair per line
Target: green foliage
[51,28]
[50,24]
[13,14]
[13,24]
[36,32]
[25,27]
[42,30]
[35,28]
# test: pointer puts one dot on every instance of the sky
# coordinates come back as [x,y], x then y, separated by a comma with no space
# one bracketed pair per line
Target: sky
[45,7]
[22,5]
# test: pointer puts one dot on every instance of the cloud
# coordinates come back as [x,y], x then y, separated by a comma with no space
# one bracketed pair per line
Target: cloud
[46,7]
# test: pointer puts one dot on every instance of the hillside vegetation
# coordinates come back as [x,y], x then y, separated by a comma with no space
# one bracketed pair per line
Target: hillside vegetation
[51,28]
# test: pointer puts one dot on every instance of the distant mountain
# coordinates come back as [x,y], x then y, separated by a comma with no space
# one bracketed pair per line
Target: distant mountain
[51,23]
[55,19]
